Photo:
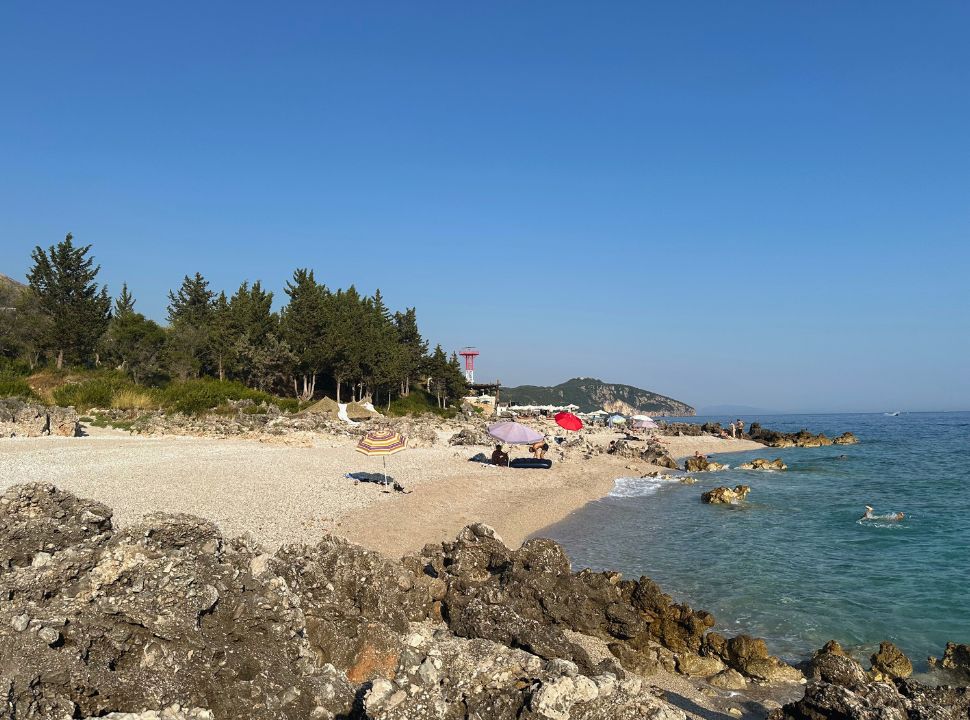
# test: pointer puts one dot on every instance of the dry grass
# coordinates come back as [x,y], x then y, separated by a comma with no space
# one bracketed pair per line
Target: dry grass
[132,400]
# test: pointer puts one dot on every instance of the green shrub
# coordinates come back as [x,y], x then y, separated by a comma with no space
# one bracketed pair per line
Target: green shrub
[98,391]
[16,387]
[419,402]
[10,368]
[196,397]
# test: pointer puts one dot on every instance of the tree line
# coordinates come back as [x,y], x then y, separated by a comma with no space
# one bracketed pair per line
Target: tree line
[321,340]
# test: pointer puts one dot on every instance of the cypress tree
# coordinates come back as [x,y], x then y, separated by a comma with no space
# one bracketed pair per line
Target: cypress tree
[63,279]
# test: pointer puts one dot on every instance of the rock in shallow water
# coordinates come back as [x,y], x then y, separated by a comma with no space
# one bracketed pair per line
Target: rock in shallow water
[725,495]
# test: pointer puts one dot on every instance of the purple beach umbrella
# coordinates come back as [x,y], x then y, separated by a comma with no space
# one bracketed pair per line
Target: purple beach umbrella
[514,433]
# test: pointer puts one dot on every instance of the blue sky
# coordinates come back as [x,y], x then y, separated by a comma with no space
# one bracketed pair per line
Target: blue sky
[763,203]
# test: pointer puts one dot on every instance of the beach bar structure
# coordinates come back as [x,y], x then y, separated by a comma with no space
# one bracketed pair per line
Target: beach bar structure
[484,396]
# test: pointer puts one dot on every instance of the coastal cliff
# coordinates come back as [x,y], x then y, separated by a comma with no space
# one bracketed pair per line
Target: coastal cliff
[591,394]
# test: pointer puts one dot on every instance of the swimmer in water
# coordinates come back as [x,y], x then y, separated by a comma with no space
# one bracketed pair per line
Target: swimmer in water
[891,517]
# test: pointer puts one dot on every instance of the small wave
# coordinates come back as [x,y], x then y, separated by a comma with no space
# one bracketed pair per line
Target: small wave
[639,487]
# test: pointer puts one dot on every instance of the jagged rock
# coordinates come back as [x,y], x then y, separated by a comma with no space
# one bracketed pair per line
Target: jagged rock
[162,612]
[21,419]
[725,495]
[845,438]
[750,657]
[173,712]
[832,665]
[803,438]
[763,464]
[166,616]
[696,464]
[955,657]
[471,436]
[890,662]
[652,452]
[702,464]
[843,691]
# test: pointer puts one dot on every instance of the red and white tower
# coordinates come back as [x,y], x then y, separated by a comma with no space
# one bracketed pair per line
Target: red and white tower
[469,353]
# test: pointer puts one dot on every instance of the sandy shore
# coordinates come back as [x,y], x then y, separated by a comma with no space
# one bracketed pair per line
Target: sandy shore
[284,494]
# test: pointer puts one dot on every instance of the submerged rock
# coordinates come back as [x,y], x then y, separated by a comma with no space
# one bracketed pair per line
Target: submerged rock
[725,495]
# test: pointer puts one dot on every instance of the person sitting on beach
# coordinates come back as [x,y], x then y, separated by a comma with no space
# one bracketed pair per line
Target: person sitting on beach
[500,457]
[699,455]
[539,449]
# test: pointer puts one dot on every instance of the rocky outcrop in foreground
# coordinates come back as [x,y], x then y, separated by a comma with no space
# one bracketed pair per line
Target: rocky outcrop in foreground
[167,613]
[22,419]
[843,690]
[168,620]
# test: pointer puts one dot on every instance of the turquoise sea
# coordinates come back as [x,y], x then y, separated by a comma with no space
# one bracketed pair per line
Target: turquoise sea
[793,564]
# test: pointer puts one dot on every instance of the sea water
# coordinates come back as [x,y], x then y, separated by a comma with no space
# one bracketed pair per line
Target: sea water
[793,564]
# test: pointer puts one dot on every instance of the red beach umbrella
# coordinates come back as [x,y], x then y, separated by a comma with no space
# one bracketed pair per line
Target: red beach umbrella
[568,421]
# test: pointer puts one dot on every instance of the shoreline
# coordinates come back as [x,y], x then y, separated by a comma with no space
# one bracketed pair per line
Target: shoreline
[516,510]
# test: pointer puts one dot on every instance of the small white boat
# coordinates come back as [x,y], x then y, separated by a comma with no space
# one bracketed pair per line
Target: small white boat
[892,414]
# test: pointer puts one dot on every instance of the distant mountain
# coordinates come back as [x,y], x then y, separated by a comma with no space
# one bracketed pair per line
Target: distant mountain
[10,290]
[592,394]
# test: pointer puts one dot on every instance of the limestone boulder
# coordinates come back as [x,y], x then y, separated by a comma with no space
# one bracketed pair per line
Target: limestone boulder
[725,495]
[763,464]
[889,663]
[956,657]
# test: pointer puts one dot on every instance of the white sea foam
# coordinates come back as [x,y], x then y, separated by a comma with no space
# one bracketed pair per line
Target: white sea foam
[639,487]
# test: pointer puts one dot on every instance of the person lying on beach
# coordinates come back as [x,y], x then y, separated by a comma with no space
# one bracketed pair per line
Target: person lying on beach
[500,457]
[539,449]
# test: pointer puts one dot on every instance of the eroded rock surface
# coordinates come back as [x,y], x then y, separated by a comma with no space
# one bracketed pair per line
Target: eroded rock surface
[725,495]
[168,620]
[22,419]
[842,690]
[803,438]
[763,464]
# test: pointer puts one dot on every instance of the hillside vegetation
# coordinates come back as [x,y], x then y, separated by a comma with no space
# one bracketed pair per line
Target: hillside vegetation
[591,394]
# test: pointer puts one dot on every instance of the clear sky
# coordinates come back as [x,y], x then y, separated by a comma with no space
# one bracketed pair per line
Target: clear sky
[762,203]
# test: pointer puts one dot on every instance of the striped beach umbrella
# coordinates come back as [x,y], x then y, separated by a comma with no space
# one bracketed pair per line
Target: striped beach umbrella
[383,443]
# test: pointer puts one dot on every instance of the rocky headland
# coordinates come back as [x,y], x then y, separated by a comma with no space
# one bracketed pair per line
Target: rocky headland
[167,618]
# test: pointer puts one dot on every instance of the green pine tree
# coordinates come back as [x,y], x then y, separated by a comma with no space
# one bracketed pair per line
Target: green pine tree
[63,279]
